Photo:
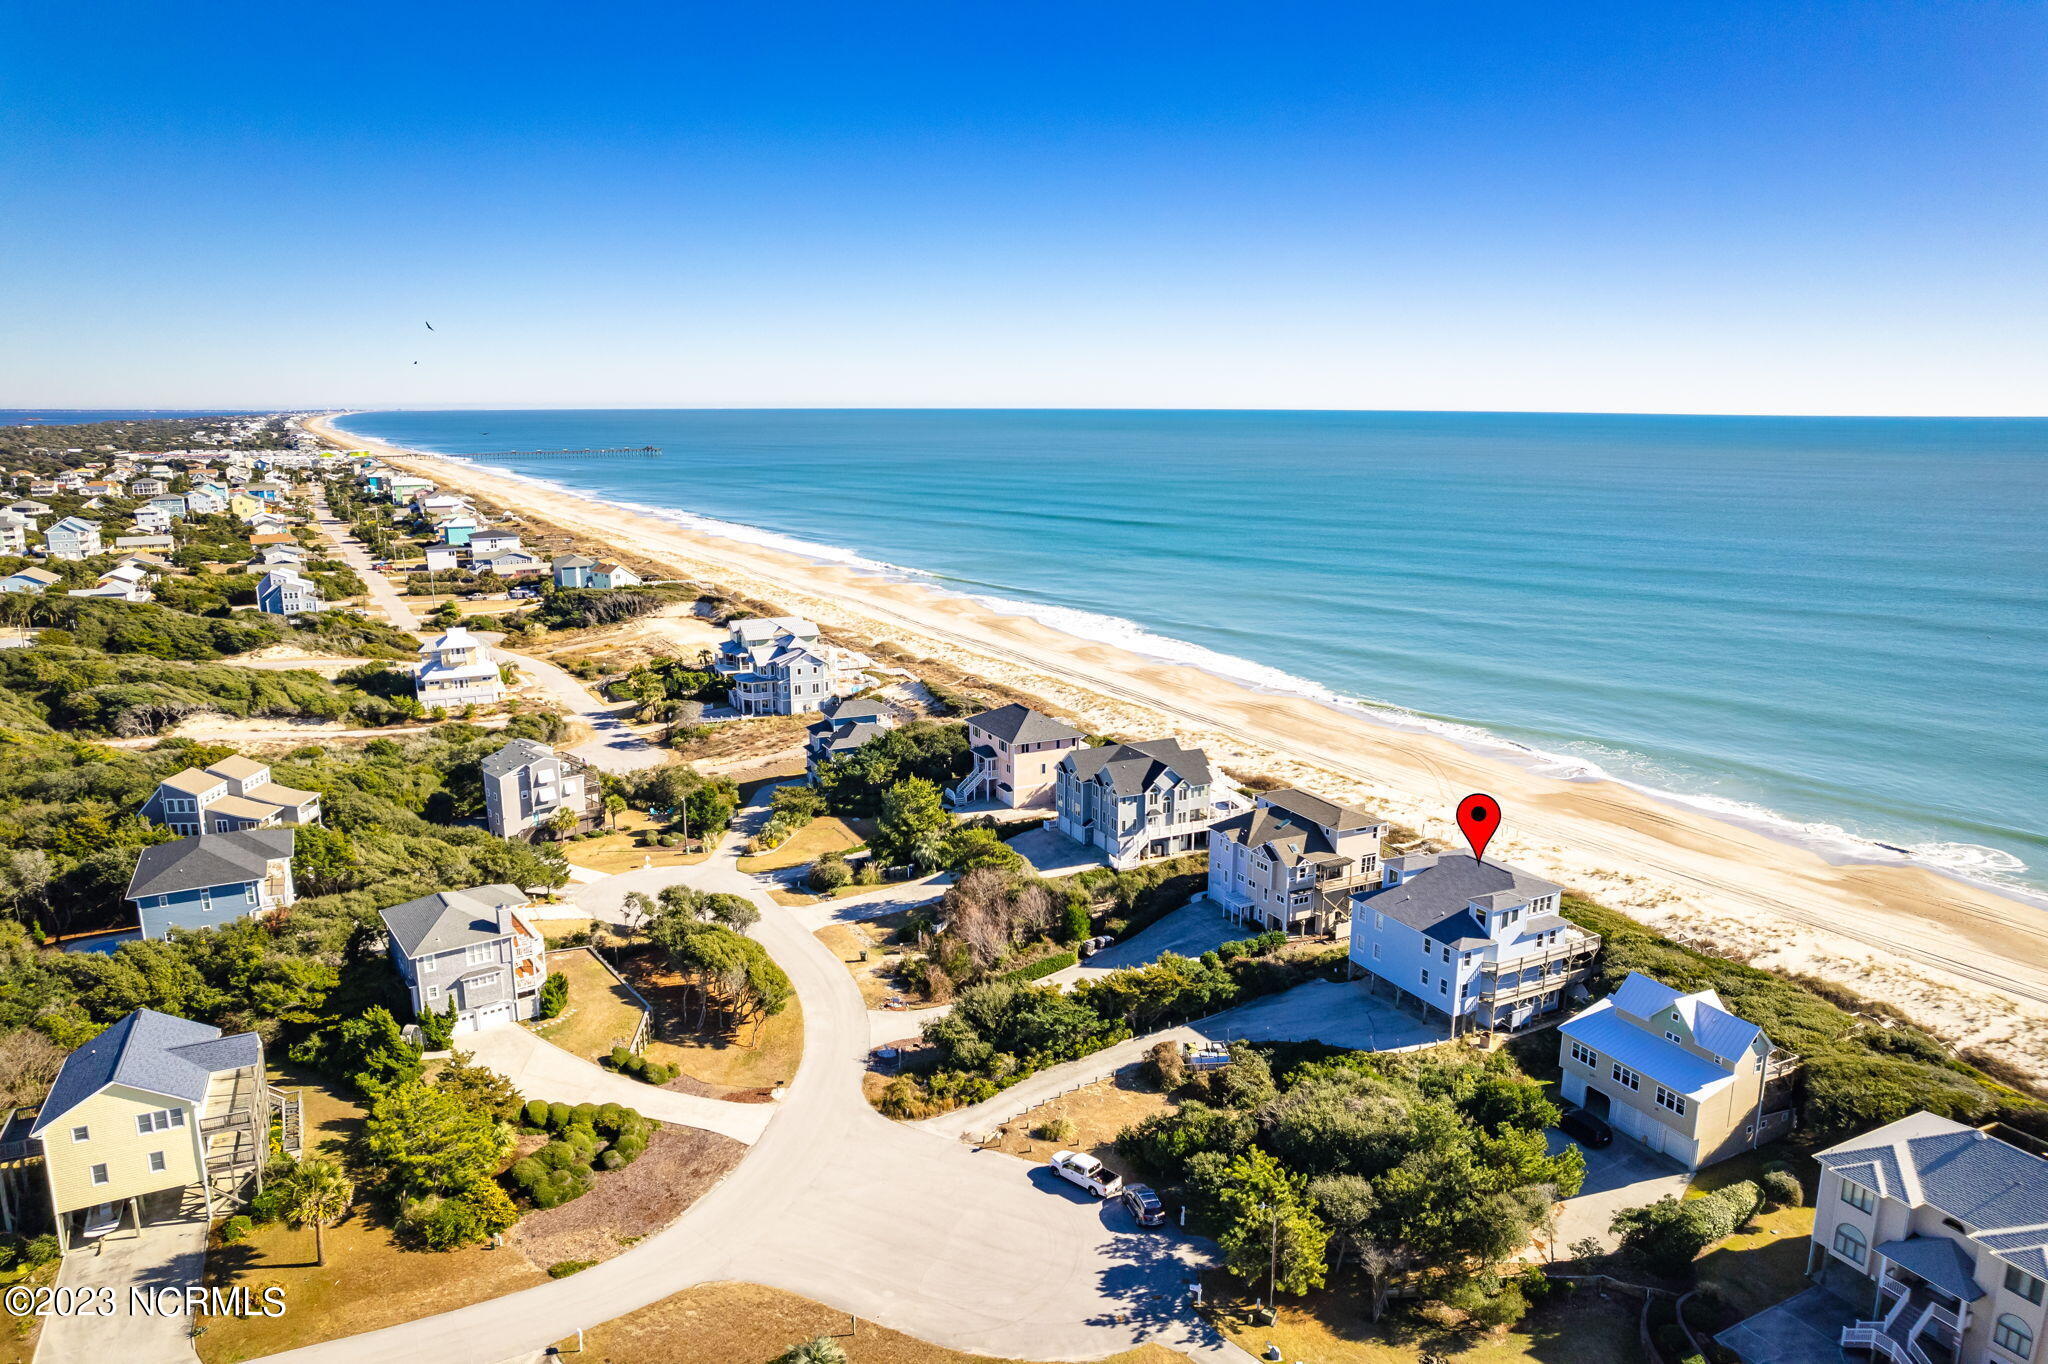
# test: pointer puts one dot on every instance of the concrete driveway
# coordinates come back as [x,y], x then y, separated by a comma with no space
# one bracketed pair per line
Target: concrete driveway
[168,1252]
[1191,930]
[1055,854]
[539,1069]
[1624,1175]
[1339,1014]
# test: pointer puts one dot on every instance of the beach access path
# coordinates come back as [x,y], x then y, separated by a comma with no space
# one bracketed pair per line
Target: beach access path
[973,1250]
[1966,961]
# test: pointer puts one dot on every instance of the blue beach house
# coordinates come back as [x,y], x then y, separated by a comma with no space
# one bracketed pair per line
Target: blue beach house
[207,880]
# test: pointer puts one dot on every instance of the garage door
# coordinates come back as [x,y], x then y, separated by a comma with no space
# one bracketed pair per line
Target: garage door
[490,1016]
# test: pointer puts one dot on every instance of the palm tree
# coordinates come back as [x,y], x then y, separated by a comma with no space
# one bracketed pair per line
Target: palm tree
[317,1195]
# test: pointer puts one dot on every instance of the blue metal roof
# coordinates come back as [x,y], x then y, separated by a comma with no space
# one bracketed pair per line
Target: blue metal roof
[1606,1031]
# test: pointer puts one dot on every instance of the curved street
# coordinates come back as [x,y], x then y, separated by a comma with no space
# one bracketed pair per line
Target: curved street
[972,1250]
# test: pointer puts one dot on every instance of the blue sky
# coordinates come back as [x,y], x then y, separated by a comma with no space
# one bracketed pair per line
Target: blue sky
[1670,207]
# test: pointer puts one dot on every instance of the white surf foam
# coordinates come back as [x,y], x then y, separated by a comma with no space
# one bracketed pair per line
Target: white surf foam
[1993,867]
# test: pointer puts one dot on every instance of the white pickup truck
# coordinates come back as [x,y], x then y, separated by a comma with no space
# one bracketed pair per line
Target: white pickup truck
[1090,1173]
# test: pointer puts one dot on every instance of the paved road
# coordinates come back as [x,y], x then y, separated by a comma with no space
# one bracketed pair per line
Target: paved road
[1342,1015]
[615,748]
[383,595]
[168,1252]
[972,1250]
[539,1069]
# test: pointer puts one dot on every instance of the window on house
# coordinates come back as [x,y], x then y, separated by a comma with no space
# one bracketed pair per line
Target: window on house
[99,1174]
[1849,1243]
[477,953]
[1858,1197]
[1674,1102]
[1379,921]
[1443,987]
[2018,1281]
[156,1162]
[1375,951]
[249,893]
[1670,1036]
[81,1134]
[1425,977]
[426,966]
[1585,1055]
[1447,954]
[206,902]
[2014,1336]
[1622,1075]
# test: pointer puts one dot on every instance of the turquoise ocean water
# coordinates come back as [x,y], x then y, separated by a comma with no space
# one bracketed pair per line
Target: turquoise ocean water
[1834,628]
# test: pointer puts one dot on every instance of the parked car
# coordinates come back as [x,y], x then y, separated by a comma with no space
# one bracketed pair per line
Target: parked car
[1144,1205]
[523,592]
[1585,1129]
[1077,1167]
[1094,945]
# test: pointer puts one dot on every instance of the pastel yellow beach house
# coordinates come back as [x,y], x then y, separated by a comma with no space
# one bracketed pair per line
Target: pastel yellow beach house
[157,1118]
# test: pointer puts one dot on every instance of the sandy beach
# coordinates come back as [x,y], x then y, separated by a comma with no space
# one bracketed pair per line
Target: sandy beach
[1967,962]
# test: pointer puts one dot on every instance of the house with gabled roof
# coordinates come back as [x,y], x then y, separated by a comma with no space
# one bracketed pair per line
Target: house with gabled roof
[234,793]
[1478,945]
[1138,803]
[456,669]
[1937,1232]
[844,724]
[473,951]
[1678,1072]
[152,1111]
[780,665]
[209,879]
[527,784]
[1016,753]
[29,580]
[1291,862]
[74,537]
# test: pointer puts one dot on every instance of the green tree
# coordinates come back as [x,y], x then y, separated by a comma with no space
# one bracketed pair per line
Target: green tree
[614,806]
[562,823]
[430,1141]
[1270,1229]
[317,1194]
[818,1350]
[912,824]
[478,1087]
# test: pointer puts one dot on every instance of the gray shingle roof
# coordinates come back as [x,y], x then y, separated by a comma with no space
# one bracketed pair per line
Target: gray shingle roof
[160,1053]
[1016,724]
[1967,1174]
[515,755]
[208,860]
[1434,900]
[1131,768]
[574,561]
[1327,813]
[1938,1260]
[450,918]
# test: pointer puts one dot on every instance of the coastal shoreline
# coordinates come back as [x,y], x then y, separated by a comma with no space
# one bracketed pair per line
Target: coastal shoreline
[1969,962]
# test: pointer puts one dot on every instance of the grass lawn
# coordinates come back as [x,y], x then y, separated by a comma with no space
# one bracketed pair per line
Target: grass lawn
[1762,1265]
[872,951]
[752,1058]
[617,852]
[827,833]
[369,1280]
[1098,1113]
[1334,1327]
[18,1335]
[744,1322]
[601,1013]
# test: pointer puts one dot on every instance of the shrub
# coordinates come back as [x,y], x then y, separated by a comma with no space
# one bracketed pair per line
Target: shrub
[558,1116]
[1044,966]
[1169,1065]
[467,1217]
[39,1251]
[268,1207]
[562,1269]
[619,1059]
[1055,1129]
[830,872]
[1669,1234]
[236,1229]
[536,1113]
[554,994]
[1781,1189]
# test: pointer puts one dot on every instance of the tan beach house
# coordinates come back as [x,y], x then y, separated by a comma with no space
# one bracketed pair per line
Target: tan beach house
[157,1117]
[1678,1072]
[1930,1242]
[1017,753]
[234,793]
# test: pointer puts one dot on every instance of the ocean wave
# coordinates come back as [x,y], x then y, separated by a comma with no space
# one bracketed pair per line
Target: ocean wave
[1993,867]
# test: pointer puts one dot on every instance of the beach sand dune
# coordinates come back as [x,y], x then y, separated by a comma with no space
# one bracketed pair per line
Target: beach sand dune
[1969,963]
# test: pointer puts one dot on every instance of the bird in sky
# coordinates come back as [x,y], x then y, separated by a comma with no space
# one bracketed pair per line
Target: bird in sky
[430,326]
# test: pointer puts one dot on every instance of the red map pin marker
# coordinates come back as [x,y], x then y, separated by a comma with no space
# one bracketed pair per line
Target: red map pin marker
[1478,816]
